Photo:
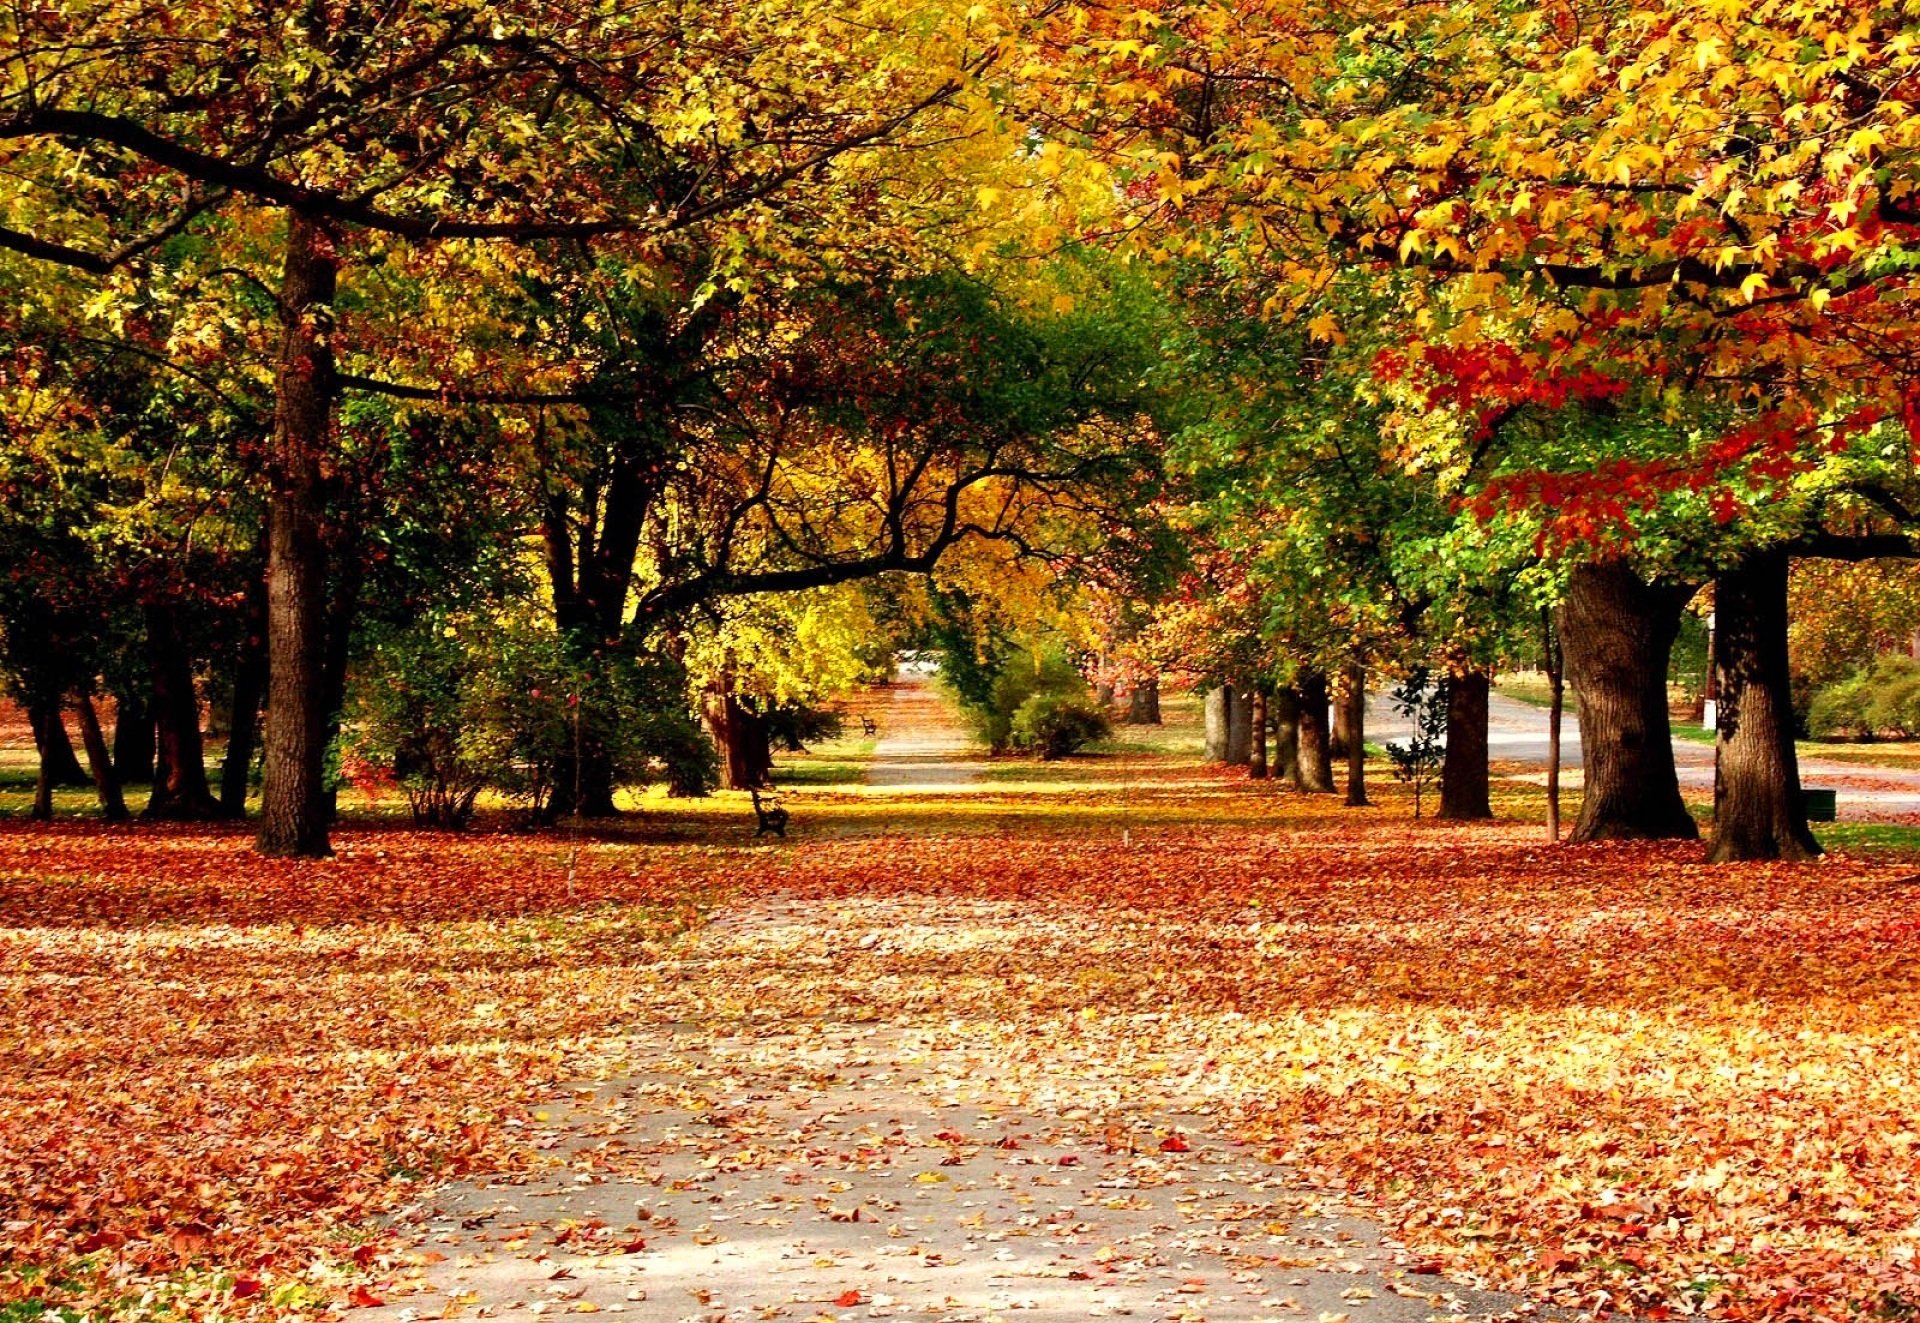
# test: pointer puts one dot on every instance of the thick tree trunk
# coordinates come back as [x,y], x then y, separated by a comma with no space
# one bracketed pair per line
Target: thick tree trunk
[1143,702]
[294,816]
[1285,708]
[1355,706]
[54,746]
[180,790]
[1463,775]
[1257,755]
[133,742]
[106,781]
[1313,765]
[1240,727]
[746,756]
[249,686]
[1219,722]
[1757,809]
[1618,632]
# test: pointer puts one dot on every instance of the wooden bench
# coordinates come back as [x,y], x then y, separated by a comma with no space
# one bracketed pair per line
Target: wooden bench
[867,726]
[771,815]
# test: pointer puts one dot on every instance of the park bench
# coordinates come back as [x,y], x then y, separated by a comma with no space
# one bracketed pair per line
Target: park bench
[771,815]
[867,726]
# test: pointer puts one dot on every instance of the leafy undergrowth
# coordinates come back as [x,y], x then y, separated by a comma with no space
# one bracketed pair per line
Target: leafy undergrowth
[1613,1076]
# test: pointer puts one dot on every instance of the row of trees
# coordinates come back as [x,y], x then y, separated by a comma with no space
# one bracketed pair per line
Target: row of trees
[1488,310]
[1327,341]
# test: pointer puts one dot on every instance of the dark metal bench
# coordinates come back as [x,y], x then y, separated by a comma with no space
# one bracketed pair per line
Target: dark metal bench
[867,726]
[770,813]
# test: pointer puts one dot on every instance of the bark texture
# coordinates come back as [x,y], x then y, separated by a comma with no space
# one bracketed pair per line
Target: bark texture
[294,813]
[1618,632]
[1313,764]
[1463,773]
[1757,809]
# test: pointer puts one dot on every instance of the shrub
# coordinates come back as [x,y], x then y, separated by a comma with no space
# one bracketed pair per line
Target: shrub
[1012,686]
[456,705]
[1053,723]
[1884,700]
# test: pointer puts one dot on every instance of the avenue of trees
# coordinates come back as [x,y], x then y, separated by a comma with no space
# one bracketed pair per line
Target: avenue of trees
[519,396]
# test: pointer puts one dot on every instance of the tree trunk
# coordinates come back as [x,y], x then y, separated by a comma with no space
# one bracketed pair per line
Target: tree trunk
[1463,775]
[1285,708]
[106,782]
[1257,754]
[1618,632]
[1313,763]
[1757,809]
[1143,702]
[293,807]
[1240,727]
[1337,738]
[1556,707]
[54,746]
[1219,721]
[180,790]
[1355,707]
[133,743]
[249,685]
[746,756]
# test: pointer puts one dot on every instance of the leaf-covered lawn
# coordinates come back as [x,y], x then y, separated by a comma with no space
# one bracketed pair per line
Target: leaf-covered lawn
[1612,1075]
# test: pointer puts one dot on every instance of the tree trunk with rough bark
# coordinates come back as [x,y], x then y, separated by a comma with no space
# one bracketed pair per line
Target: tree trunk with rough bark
[106,782]
[1618,631]
[294,814]
[1240,727]
[1758,812]
[1313,763]
[1285,709]
[1463,773]
[1218,711]
[180,789]
[1143,702]
[1257,754]
[1354,704]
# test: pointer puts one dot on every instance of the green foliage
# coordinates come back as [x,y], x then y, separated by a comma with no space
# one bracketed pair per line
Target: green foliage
[1417,762]
[1052,723]
[793,726]
[454,705]
[1883,700]
[1009,718]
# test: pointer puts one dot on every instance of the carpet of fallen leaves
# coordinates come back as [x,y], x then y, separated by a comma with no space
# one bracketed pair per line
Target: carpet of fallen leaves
[1613,1077]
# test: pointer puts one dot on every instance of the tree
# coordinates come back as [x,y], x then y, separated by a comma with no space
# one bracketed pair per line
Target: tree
[419,127]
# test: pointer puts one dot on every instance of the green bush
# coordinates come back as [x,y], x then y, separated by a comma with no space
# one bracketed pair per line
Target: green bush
[1884,700]
[455,705]
[1054,723]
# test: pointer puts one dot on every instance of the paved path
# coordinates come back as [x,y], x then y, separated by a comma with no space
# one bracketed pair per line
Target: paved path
[762,1160]
[920,745]
[1517,733]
